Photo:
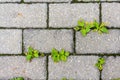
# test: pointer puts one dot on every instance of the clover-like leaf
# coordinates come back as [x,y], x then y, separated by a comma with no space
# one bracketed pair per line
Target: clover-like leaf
[83,32]
[77,28]
[67,53]
[104,29]
[29,57]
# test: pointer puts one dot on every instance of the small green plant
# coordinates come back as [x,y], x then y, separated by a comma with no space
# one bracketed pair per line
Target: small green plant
[17,78]
[32,53]
[86,27]
[116,79]
[59,55]
[100,63]
[66,79]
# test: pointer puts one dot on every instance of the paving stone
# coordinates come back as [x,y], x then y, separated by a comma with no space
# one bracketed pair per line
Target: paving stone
[45,40]
[14,66]
[67,15]
[47,0]
[76,67]
[96,43]
[10,41]
[111,69]
[23,15]
[111,14]
[10,0]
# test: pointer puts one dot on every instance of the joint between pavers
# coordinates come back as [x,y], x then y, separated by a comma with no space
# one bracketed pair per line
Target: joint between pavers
[100,12]
[22,42]
[47,64]
[47,15]
[74,42]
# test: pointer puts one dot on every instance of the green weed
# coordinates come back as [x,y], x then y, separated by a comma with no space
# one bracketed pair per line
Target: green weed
[17,78]
[86,27]
[61,55]
[100,63]
[32,53]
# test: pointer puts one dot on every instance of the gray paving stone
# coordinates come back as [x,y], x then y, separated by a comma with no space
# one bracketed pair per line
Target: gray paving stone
[10,41]
[45,40]
[23,15]
[111,68]
[96,43]
[10,0]
[111,14]
[77,67]
[67,15]
[14,66]
[47,0]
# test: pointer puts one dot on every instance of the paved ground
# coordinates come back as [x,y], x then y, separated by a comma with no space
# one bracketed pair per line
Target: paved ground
[44,24]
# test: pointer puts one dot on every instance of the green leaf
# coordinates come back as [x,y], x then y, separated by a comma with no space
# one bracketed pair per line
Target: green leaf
[63,58]
[96,24]
[29,57]
[67,53]
[62,52]
[17,78]
[104,29]
[116,79]
[30,50]
[36,55]
[101,61]
[42,55]
[83,32]
[87,29]
[54,52]
[77,28]
[81,23]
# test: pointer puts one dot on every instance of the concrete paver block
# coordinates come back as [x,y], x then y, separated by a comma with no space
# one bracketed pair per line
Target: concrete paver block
[98,43]
[10,41]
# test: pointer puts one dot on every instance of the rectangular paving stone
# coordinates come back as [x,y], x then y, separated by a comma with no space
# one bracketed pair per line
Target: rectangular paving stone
[67,15]
[45,40]
[111,14]
[10,41]
[10,0]
[76,67]
[98,43]
[88,0]
[111,69]
[23,15]
[47,0]
[14,66]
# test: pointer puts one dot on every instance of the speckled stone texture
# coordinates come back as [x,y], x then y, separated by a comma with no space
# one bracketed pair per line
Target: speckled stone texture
[10,41]
[67,15]
[111,14]
[23,15]
[14,66]
[45,40]
[110,0]
[96,43]
[47,0]
[10,0]
[111,68]
[76,67]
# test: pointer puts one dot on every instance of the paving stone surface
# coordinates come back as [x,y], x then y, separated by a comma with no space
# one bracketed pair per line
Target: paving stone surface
[10,41]
[14,66]
[96,43]
[67,15]
[10,0]
[47,0]
[45,40]
[111,68]
[110,0]
[88,0]
[77,67]
[110,14]
[23,15]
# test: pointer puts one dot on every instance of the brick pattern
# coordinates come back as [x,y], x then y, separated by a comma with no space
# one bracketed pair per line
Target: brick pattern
[44,24]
